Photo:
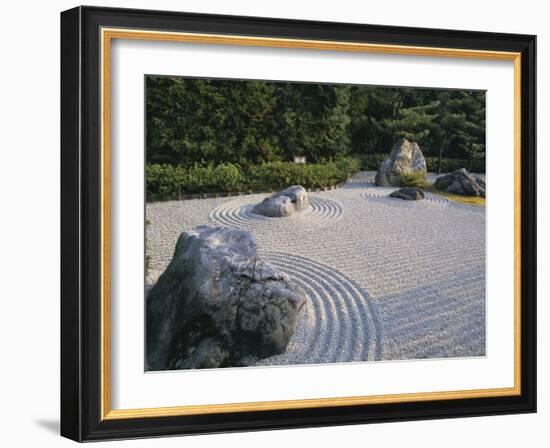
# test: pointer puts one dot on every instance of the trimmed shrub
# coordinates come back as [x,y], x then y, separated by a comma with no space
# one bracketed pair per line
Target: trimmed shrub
[167,181]
[228,177]
[348,166]
[278,175]
[450,165]
[199,179]
[371,162]
[417,179]
[164,180]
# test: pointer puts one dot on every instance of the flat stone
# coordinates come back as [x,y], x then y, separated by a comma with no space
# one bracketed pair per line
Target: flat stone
[408,194]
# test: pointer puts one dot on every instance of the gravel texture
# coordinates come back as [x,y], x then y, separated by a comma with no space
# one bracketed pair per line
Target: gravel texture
[386,279]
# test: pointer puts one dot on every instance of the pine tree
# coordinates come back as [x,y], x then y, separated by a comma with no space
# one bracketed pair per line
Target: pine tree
[204,121]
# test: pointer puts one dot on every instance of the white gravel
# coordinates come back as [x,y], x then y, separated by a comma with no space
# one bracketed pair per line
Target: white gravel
[386,279]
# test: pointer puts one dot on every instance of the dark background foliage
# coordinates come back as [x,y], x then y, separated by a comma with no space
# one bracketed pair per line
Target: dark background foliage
[204,121]
[206,135]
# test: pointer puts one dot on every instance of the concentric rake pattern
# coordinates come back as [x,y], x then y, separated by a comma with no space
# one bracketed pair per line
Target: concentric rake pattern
[337,324]
[361,180]
[238,213]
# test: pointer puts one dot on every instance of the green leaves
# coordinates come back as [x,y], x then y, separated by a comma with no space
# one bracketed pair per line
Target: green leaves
[228,177]
[247,122]
[164,181]
[446,121]
[417,179]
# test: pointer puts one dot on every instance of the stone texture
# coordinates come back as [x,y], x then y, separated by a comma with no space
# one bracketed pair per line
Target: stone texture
[298,196]
[408,194]
[278,207]
[405,158]
[461,182]
[283,203]
[217,304]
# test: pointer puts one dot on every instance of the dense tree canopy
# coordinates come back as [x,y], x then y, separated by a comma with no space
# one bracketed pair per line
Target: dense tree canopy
[200,121]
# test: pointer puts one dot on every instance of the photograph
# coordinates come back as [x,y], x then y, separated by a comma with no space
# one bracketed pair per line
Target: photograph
[273,222]
[299,223]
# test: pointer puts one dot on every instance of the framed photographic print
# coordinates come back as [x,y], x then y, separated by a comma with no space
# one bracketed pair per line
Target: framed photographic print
[273,223]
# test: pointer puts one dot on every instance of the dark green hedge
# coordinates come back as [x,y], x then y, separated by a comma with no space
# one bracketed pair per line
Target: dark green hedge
[417,179]
[449,165]
[168,181]
[371,162]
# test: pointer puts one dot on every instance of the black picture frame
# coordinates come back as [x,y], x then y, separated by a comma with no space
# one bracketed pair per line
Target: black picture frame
[81,414]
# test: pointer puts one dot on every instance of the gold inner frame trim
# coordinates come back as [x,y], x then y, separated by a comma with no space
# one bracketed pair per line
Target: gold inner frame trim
[107,35]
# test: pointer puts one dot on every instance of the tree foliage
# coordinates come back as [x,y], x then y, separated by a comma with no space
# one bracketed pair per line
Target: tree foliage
[197,122]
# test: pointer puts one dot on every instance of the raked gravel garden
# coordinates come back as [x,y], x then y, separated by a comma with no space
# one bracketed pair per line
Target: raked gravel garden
[385,279]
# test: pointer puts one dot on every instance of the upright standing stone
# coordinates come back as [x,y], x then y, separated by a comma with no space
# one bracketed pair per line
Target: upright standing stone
[405,158]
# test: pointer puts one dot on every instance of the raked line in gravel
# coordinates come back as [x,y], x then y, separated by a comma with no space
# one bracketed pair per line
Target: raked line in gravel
[386,279]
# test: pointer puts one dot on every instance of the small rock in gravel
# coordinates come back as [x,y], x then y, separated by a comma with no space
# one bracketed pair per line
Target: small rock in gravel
[408,194]
[461,182]
[283,203]
[279,207]
[217,304]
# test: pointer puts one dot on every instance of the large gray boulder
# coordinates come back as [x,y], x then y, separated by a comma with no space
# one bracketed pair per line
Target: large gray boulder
[461,182]
[217,304]
[405,158]
[283,203]
[408,194]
